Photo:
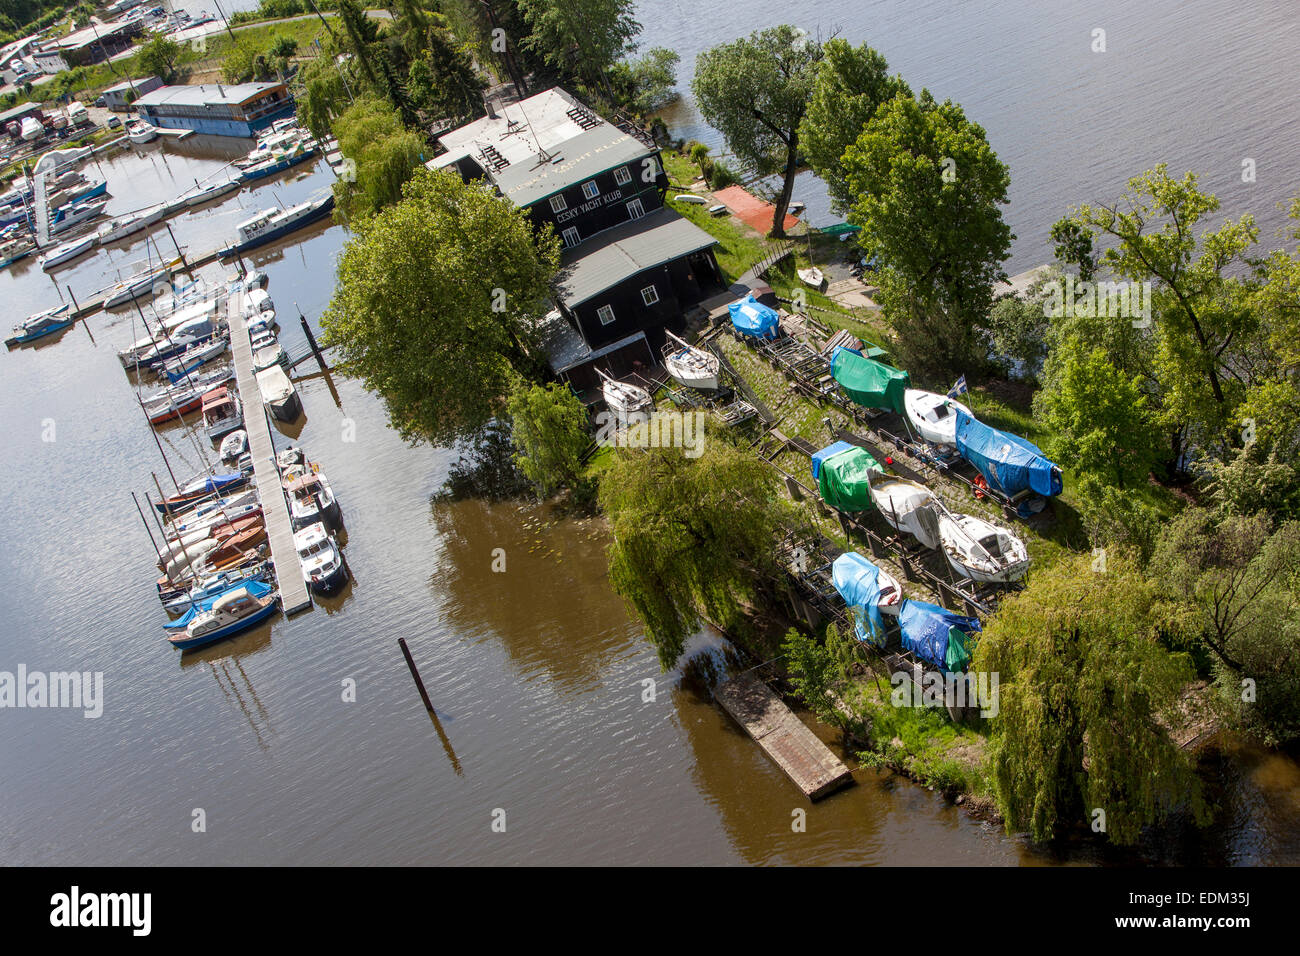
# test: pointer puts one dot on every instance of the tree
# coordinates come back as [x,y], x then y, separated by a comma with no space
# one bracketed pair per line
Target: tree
[581,37]
[851,85]
[1017,328]
[323,93]
[437,302]
[360,33]
[159,57]
[442,81]
[692,536]
[1201,319]
[1097,416]
[816,669]
[647,83]
[1084,686]
[755,91]
[549,430]
[385,153]
[928,190]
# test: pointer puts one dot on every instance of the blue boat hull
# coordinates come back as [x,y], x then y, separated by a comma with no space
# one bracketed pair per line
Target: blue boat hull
[230,631]
[239,248]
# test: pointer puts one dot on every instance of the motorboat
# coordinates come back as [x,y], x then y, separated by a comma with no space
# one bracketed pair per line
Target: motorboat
[79,212]
[933,416]
[40,325]
[279,394]
[223,413]
[67,252]
[138,131]
[234,445]
[981,550]
[256,301]
[269,355]
[214,586]
[322,561]
[231,613]
[311,499]
[271,224]
[631,404]
[691,366]
[909,507]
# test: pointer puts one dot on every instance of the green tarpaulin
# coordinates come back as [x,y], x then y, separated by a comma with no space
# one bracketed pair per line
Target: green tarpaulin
[869,382]
[843,480]
[958,654]
[839,229]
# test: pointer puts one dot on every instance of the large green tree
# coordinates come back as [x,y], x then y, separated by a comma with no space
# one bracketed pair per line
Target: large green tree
[160,57]
[1084,691]
[581,38]
[1231,583]
[442,81]
[437,302]
[1096,416]
[928,191]
[692,535]
[851,84]
[755,92]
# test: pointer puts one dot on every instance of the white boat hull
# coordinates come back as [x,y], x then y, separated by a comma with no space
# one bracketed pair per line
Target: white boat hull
[982,551]
[933,416]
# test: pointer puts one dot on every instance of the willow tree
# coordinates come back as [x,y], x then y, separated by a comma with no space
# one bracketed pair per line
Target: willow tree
[1085,693]
[437,302]
[549,432]
[693,536]
[755,91]
[384,153]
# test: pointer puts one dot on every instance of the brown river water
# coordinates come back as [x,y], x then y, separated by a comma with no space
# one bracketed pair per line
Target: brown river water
[537,673]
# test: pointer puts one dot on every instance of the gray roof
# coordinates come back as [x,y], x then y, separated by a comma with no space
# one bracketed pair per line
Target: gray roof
[566,349]
[126,85]
[205,94]
[577,160]
[616,254]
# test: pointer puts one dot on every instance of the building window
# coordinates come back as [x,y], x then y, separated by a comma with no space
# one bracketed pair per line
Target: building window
[635,210]
[571,237]
[590,190]
[649,295]
[621,176]
[606,314]
[558,204]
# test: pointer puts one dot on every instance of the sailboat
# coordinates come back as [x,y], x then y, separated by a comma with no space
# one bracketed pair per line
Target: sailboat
[933,416]
[631,404]
[907,506]
[689,365]
[981,550]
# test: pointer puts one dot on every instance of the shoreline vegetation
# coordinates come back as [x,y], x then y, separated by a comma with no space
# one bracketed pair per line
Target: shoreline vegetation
[1162,602]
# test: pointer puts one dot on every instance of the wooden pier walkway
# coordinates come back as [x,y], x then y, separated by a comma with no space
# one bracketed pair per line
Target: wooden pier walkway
[279,529]
[783,736]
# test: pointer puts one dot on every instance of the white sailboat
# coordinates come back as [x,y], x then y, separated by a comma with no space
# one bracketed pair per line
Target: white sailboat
[907,506]
[689,365]
[933,416]
[631,404]
[981,550]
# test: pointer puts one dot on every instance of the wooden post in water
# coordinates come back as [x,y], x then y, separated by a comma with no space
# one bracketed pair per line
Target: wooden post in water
[410,662]
[188,271]
[76,309]
[311,340]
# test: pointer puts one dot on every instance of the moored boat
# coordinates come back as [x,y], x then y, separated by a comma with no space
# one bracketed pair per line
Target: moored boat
[234,445]
[322,561]
[271,224]
[222,413]
[198,490]
[40,325]
[231,613]
[279,394]
[311,499]
[138,131]
[211,191]
[67,252]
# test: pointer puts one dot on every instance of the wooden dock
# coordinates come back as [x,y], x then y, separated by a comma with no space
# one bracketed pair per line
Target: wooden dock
[279,529]
[785,738]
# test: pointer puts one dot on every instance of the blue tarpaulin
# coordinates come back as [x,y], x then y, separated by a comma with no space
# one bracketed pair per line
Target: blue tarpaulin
[751,317]
[936,635]
[1009,463]
[858,581]
[830,451]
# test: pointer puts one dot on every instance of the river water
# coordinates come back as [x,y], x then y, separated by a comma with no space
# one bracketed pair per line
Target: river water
[537,673]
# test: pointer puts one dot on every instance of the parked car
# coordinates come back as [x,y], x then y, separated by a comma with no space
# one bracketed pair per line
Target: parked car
[113,122]
[101,102]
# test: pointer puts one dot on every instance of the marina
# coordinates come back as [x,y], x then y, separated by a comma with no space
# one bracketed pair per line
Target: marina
[257,671]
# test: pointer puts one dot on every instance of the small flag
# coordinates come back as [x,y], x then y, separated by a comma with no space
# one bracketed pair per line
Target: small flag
[959,388]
